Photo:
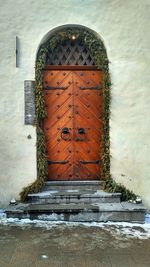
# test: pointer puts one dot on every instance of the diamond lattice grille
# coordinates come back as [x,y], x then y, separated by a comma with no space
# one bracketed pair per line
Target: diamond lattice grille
[70,53]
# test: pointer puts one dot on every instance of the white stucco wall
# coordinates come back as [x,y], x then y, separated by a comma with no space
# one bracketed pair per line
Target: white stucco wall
[124,27]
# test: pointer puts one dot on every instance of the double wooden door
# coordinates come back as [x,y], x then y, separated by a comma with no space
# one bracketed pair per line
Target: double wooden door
[73,127]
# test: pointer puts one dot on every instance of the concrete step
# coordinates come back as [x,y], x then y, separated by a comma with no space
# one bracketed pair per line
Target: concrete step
[98,212]
[73,196]
[70,185]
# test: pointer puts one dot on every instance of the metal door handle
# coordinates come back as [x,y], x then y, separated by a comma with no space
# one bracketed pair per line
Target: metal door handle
[65,134]
[65,130]
[81,132]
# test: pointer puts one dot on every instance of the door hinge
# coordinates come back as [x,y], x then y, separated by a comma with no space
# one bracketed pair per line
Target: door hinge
[55,88]
[91,88]
[90,162]
[58,162]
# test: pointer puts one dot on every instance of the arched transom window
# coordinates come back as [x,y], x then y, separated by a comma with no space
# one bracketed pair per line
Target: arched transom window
[70,52]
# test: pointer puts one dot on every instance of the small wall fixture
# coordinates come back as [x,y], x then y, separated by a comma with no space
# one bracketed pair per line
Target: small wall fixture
[17,52]
[73,37]
[13,201]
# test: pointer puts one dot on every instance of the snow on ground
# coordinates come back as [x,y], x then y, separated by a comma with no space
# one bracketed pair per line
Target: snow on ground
[128,230]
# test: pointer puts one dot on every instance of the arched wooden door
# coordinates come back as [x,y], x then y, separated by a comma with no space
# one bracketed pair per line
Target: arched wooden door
[73,127]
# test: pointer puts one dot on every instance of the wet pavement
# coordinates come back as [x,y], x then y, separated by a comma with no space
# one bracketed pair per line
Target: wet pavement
[74,246]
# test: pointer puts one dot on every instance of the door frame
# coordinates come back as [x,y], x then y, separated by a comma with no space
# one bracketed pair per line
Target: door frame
[95,44]
[92,41]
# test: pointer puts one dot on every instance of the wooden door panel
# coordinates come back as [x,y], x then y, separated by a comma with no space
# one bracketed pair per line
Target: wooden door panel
[82,171]
[91,133]
[90,118]
[74,100]
[59,148]
[59,172]
[56,77]
[87,78]
[59,101]
[87,116]
[83,156]
[95,109]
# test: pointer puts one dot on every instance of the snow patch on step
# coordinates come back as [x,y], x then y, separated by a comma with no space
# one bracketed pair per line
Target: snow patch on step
[54,217]
[102,193]
[125,230]
[72,191]
[44,193]
[117,229]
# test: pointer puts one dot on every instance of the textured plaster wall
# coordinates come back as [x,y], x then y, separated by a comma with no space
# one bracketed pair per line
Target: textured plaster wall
[124,27]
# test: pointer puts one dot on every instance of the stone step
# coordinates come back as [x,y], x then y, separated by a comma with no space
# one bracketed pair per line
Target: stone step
[73,196]
[81,185]
[98,212]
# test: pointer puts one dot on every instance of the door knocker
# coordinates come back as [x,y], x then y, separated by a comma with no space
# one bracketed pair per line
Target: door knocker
[82,133]
[65,134]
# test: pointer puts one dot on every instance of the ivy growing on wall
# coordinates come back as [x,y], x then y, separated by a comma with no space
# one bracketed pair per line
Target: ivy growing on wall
[97,49]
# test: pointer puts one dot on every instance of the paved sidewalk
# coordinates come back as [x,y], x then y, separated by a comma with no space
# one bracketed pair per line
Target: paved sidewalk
[73,246]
